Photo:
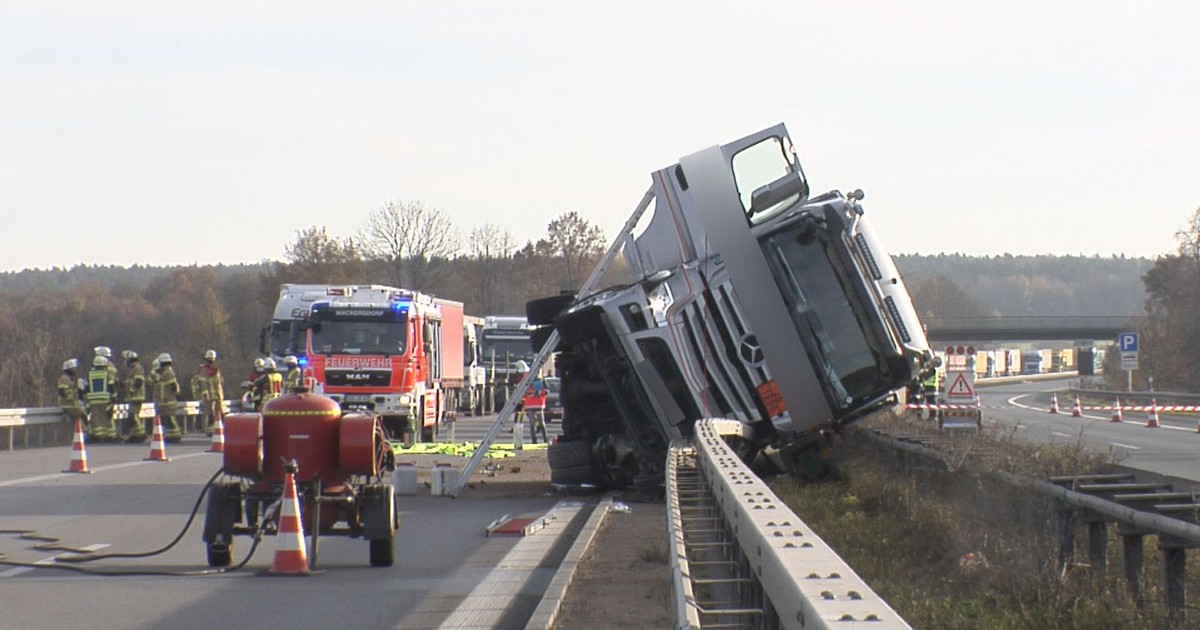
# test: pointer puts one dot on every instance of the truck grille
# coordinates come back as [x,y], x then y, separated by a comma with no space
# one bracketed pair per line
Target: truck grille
[732,382]
[359,378]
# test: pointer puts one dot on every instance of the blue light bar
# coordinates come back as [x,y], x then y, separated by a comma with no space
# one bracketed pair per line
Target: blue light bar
[401,306]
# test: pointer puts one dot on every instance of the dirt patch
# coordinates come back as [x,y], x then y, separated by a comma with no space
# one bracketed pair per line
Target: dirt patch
[623,581]
[524,474]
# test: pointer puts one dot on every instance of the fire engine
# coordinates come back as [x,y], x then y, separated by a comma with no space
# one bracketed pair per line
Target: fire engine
[394,352]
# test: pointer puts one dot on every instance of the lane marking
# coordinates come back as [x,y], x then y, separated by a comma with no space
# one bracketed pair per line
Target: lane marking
[14,482]
[1066,435]
[1128,446]
[50,560]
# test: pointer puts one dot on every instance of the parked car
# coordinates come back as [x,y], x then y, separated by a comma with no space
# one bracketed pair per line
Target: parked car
[554,410]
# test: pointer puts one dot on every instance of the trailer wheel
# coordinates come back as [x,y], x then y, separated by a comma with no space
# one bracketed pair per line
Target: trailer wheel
[378,519]
[383,552]
[220,555]
[542,311]
[221,513]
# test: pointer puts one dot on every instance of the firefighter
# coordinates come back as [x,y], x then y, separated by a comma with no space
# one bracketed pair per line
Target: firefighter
[70,394]
[929,389]
[135,395]
[165,397]
[293,378]
[252,395]
[101,385]
[106,352]
[208,386]
[534,404]
[269,384]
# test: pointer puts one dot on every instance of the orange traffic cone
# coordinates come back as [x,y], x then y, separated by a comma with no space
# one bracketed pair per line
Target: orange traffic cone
[1153,423]
[158,449]
[291,557]
[1054,403]
[1116,414]
[78,453]
[218,438]
[1076,409]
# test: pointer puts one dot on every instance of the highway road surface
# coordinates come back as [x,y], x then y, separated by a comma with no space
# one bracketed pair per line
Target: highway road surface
[448,574]
[1172,450]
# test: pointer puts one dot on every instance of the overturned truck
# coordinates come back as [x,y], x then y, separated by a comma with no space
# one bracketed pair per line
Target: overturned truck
[752,301]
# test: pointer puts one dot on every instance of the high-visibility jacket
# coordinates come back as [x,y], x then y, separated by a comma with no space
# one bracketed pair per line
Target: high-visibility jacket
[292,380]
[274,387]
[100,390]
[167,386]
[932,381]
[68,393]
[535,398]
[135,384]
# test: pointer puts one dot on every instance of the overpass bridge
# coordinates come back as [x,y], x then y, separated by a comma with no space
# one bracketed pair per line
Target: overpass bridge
[1030,328]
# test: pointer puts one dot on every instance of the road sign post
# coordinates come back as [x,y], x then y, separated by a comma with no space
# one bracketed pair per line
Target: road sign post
[1127,344]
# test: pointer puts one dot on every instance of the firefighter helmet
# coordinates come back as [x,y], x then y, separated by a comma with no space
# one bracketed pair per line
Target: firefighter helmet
[164,358]
[154,365]
[269,363]
[70,364]
[258,364]
[102,351]
[99,361]
[129,355]
[210,355]
[290,360]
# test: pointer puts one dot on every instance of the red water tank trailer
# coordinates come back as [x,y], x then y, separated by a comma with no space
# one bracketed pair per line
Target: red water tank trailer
[340,462]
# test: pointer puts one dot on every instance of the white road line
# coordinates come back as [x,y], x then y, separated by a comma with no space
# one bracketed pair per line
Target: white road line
[50,560]
[14,482]
[1128,446]
[1066,435]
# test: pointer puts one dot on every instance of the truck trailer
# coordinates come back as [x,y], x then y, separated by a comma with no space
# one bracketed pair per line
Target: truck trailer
[753,301]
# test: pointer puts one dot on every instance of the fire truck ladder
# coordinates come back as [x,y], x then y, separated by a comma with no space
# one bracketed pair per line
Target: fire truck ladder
[506,414]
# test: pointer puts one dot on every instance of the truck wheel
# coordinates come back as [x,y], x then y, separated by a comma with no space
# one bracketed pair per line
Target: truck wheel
[542,311]
[570,463]
[379,522]
[576,327]
[573,476]
[539,337]
[569,453]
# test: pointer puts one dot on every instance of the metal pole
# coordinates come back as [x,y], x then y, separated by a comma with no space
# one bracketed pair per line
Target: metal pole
[1175,582]
[1098,550]
[1134,546]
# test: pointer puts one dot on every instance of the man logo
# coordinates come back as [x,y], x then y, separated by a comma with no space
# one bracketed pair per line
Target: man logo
[749,351]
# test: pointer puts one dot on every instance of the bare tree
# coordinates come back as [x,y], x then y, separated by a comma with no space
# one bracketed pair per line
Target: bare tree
[579,244]
[315,256]
[412,237]
[490,254]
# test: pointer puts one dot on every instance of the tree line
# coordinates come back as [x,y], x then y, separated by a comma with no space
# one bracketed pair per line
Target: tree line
[48,316]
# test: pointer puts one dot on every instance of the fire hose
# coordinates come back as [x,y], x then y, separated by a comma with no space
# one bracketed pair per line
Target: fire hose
[71,562]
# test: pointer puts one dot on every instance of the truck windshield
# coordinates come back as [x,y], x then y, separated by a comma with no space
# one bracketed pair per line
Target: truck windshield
[514,348]
[358,336]
[287,337]
[819,293]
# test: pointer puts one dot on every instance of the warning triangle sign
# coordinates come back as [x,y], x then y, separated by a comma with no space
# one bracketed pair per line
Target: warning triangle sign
[960,387]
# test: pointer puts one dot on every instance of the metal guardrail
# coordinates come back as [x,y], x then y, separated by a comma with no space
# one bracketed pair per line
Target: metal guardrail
[742,558]
[45,426]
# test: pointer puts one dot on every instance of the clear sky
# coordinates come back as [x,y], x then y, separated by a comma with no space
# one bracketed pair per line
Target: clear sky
[203,132]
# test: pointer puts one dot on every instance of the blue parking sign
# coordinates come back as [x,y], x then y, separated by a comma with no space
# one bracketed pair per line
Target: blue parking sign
[1128,342]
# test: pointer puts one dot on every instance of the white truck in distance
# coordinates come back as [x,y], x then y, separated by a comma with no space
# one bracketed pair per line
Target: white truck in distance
[752,301]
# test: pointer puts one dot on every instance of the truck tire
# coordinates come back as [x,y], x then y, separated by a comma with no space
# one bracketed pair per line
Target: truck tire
[539,337]
[577,327]
[573,476]
[542,311]
[569,453]
[220,515]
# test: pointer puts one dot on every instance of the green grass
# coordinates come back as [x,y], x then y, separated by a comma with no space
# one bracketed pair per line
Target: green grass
[906,524]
